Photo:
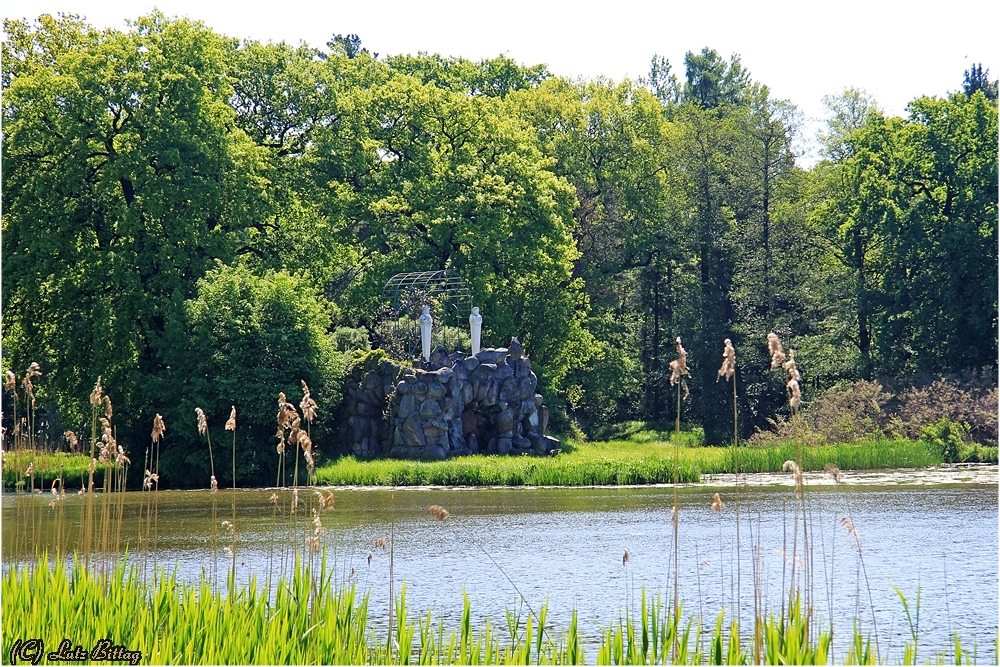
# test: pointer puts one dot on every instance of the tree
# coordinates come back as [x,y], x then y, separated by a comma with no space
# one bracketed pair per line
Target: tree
[978,79]
[124,178]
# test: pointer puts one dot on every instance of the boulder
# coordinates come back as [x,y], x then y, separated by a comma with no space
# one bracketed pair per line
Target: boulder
[427,376]
[515,350]
[490,398]
[461,372]
[433,432]
[527,408]
[504,421]
[360,428]
[445,375]
[552,446]
[470,364]
[472,443]
[434,452]
[413,434]
[435,391]
[543,419]
[504,371]
[407,405]
[467,393]
[538,400]
[523,368]
[503,446]
[430,409]
[367,410]
[403,388]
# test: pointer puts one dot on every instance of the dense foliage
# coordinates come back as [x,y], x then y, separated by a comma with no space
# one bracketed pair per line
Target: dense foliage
[595,220]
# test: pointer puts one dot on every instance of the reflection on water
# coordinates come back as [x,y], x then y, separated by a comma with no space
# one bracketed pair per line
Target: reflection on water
[566,545]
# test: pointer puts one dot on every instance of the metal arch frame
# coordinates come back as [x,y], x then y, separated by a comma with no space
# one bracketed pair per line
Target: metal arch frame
[448,287]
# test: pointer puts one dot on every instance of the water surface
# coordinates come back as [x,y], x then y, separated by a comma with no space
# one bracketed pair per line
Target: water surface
[566,546]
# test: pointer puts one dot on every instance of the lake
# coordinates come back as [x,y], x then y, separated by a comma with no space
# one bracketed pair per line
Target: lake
[917,530]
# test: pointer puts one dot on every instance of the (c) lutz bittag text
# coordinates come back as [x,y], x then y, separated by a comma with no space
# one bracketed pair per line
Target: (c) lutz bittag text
[32,650]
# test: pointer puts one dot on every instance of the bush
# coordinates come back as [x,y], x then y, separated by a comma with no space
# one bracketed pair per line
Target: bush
[947,438]
[246,337]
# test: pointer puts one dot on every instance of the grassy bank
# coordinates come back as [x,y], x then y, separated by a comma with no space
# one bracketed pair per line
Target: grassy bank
[639,461]
[310,620]
[45,468]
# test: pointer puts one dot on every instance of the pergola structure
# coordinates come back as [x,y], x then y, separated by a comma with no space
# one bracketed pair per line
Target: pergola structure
[448,295]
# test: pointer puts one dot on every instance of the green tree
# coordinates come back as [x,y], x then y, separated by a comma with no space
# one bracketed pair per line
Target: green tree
[124,178]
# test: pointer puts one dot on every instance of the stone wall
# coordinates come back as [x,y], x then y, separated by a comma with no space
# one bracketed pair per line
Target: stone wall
[453,405]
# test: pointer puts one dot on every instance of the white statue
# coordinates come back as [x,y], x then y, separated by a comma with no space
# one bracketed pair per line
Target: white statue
[476,327]
[426,322]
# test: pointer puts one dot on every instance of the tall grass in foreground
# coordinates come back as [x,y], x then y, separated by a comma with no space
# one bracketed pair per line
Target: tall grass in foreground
[308,619]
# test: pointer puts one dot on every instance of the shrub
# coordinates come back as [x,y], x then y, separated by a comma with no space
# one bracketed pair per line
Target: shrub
[947,438]
[246,337]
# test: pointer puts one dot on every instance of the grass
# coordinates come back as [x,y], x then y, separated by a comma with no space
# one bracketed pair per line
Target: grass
[48,467]
[641,460]
[309,619]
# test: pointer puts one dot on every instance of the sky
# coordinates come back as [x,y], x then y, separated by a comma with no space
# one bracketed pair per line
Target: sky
[895,51]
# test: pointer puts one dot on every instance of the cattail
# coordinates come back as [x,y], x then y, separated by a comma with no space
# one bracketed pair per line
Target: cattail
[793,467]
[95,396]
[202,421]
[159,428]
[11,382]
[717,503]
[71,439]
[728,361]
[625,558]
[774,347]
[679,369]
[231,422]
[380,543]
[438,512]
[834,471]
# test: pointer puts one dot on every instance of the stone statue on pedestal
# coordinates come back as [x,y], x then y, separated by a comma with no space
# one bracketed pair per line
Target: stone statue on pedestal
[426,322]
[476,328]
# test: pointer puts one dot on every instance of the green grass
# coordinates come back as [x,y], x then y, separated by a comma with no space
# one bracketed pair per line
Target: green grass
[48,467]
[616,462]
[309,619]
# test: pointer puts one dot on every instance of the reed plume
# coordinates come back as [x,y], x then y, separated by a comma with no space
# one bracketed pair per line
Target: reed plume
[231,422]
[33,371]
[626,556]
[71,439]
[96,394]
[10,384]
[728,361]
[717,503]
[438,512]
[774,348]
[793,467]
[679,369]
[834,471]
[203,430]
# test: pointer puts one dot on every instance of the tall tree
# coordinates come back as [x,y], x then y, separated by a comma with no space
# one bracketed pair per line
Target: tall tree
[124,179]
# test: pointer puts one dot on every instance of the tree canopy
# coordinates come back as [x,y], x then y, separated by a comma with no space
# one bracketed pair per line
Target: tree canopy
[175,199]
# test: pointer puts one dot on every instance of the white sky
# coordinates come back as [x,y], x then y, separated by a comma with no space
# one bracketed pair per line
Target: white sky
[801,50]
